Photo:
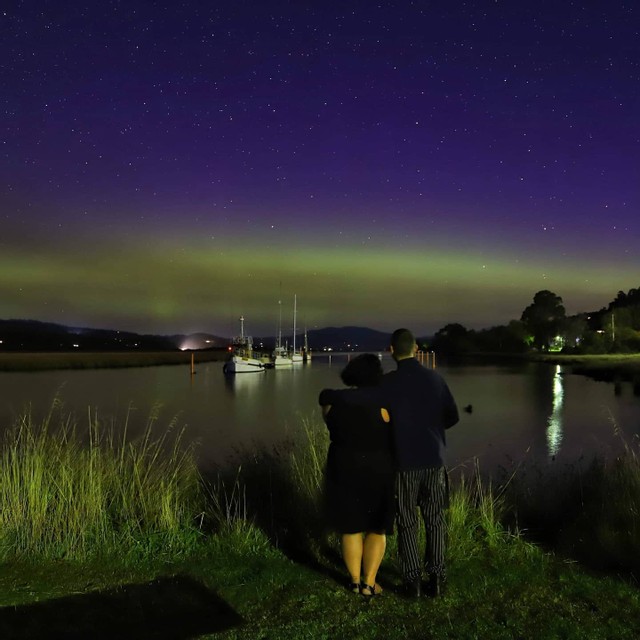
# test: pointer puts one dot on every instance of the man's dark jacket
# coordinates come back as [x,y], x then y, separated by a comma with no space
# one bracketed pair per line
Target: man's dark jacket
[421,407]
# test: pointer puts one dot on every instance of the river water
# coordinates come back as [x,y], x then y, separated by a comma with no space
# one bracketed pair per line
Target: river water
[520,413]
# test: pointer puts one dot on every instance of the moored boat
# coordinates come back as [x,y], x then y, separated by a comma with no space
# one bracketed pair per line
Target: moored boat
[296,356]
[280,358]
[242,359]
[306,352]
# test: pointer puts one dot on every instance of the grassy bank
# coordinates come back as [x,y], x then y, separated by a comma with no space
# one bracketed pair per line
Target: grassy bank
[609,368]
[156,550]
[606,367]
[106,360]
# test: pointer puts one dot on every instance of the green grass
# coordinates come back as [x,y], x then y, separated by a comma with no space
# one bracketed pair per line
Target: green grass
[490,596]
[64,494]
[128,540]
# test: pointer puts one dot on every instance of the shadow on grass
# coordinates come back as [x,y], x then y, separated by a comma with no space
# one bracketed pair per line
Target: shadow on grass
[277,499]
[174,608]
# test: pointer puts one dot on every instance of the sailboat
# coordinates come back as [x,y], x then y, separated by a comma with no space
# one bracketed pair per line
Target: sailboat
[242,360]
[296,358]
[306,352]
[280,357]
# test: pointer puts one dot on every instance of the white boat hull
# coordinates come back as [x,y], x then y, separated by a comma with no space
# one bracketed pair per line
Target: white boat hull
[238,364]
[282,361]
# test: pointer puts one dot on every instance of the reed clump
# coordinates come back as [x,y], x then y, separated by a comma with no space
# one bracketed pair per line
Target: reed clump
[589,510]
[280,493]
[67,492]
[274,492]
[64,494]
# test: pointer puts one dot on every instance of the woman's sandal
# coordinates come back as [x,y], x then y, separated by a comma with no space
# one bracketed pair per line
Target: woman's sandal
[354,587]
[369,590]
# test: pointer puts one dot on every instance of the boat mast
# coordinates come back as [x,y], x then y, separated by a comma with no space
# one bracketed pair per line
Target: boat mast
[295,309]
[280,326]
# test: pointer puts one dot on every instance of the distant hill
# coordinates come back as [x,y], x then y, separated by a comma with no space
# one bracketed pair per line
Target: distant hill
[348,339]
[32,335]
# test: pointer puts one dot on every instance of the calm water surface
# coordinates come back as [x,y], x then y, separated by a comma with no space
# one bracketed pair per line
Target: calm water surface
[520,413]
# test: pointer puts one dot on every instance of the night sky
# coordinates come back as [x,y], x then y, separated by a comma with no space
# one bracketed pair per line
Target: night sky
[166,167]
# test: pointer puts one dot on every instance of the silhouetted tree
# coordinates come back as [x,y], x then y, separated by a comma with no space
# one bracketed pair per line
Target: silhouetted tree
[544,318]
[453,339]
[502,339]
[630,299]
[574,330]
[593,342]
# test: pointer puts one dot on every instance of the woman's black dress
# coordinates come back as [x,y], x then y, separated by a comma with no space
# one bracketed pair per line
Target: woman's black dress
[360,473]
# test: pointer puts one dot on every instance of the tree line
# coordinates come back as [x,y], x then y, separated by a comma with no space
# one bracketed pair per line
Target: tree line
[544,326]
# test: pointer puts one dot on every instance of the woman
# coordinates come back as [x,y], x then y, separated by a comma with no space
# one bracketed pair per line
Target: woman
[359,481]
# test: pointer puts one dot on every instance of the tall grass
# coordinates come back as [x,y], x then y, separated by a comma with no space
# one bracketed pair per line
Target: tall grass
[474,515]
[281,493]
[275,492]
[589,511]
[63,495]
[307,461]
[67,492]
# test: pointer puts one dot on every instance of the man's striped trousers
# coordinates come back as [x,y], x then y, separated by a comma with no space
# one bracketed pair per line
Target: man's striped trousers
[427,490]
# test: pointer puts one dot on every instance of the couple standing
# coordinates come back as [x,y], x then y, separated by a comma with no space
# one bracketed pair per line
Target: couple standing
[386,460]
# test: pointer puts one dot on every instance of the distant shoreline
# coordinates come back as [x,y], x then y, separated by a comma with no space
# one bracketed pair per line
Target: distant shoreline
[609,368]
[47,361]
[605,367]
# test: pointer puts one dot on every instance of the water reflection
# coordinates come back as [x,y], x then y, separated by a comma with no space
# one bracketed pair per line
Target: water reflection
[554,423]
[241,382]
[529,411]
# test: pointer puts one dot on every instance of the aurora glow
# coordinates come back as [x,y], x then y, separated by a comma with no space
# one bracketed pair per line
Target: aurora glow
[168,169]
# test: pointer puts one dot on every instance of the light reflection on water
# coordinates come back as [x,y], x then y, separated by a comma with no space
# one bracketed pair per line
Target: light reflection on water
[521,412]
[554,424]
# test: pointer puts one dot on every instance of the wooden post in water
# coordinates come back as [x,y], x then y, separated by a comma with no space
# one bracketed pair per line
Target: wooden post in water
[193,368]
[430,357]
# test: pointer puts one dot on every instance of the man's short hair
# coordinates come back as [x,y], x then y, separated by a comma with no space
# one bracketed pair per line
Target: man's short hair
[403,343]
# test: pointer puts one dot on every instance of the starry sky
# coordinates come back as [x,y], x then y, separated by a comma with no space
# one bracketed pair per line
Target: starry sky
[168,166]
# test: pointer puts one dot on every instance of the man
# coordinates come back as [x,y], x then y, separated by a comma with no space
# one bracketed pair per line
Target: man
[422,407]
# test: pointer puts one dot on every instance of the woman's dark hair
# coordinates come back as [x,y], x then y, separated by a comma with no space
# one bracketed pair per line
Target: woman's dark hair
[364,370]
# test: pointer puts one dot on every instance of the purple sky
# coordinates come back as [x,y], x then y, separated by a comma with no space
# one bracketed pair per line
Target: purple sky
[166,167]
